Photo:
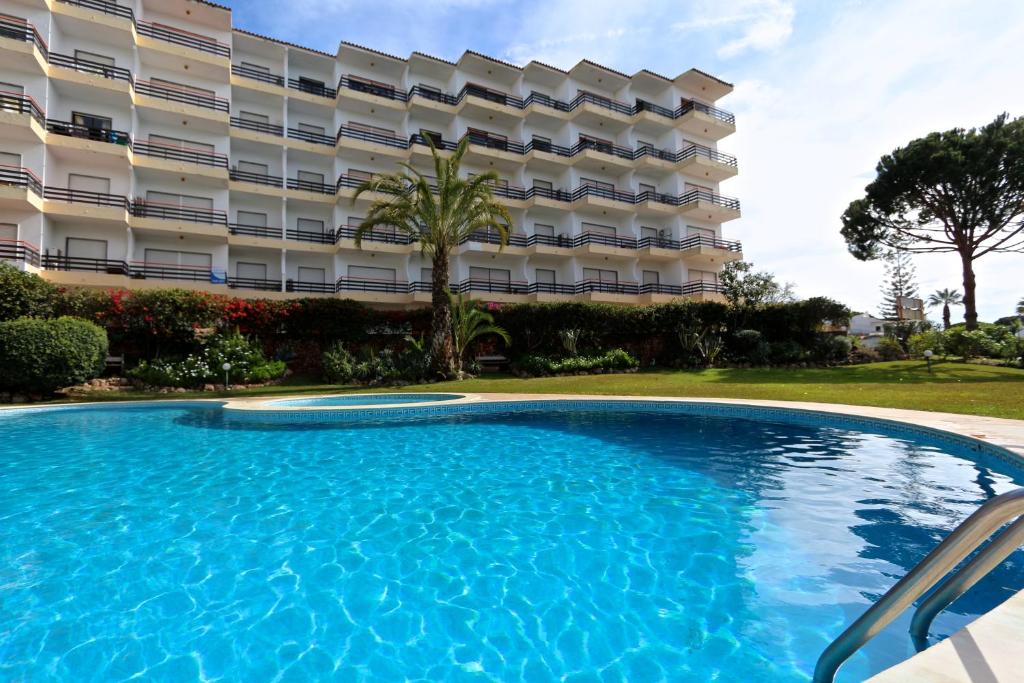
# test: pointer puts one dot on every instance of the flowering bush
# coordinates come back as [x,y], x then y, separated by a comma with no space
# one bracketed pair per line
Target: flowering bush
[247,365]
[616,359]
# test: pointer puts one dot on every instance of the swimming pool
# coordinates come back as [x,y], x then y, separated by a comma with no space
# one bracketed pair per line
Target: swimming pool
[605,542]
[346,400]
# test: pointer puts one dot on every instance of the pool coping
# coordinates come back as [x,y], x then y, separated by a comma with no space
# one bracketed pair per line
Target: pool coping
[980,651]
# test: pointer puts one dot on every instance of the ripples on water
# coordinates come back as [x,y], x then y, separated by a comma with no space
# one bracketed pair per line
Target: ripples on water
[168,544]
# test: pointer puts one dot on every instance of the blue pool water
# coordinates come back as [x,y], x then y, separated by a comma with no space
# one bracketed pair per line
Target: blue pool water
[360,400]
[168,543]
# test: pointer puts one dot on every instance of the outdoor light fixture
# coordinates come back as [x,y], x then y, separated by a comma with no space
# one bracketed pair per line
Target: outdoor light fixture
[928,358]
[227,380]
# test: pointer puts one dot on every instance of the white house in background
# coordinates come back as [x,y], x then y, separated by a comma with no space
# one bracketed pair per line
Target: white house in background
[869,329]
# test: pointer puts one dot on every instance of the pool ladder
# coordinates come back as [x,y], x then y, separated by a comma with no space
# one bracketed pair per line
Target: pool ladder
[964,540]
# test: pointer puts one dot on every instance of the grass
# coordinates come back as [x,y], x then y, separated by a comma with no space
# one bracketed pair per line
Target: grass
[951,387]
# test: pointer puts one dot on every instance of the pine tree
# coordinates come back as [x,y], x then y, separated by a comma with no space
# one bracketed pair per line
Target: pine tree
[900,281]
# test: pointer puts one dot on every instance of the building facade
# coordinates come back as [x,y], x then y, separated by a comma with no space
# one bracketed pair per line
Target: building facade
[147,144]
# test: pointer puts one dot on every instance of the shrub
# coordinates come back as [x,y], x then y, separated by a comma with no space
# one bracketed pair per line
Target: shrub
[616,359]
[834,349]
[889,349]
[338,364]
[41,356]
[984,341]
[24,295]
[864,354]
[248,365]
[785,352]
[933,340]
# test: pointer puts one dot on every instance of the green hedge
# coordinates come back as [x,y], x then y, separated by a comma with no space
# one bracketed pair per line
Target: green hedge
[40,356]
[24,295]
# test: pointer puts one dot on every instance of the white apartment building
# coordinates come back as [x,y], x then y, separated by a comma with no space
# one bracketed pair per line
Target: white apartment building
[148,143]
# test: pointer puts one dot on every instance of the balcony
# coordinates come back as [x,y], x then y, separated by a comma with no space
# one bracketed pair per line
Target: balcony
[367,86]
[708,205]
[19,252]
[254,283]
[356,284]
[98,199]
[148,270]
[256,178]
[477,285]
[141,208]
[364,134]
[711,250]
[713,291]
[182,95]
[257,75]
[16,28]
[380,235]
[104,6]
[312,88]
[257,126]
[254,231]
[704,120]
[114,73]
[325,237]
[16,103]
[311,137]
[88,265]
[311,186]
[68,129]
[625,287]
[18,176]
[493,237]
[309,287]
[181,154]
[704,162]
[177,36]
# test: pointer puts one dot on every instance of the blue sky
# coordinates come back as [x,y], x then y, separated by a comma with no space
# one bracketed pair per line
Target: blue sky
[822,90]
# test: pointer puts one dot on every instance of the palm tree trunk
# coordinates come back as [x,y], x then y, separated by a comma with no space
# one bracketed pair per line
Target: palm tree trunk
[442,351]
[970,307]
[945,316]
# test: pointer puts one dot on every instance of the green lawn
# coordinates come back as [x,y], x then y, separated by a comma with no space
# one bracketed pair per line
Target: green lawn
[952,387]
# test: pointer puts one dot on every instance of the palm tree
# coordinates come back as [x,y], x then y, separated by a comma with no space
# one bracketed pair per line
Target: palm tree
[945,298]
[469,322]
[440,212]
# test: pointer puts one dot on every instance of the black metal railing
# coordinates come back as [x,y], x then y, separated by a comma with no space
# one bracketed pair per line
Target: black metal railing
[19,176]
[658,288]
[104,6]
[318,89]
[169,271]
[375,235]
[623,287]
[182,95]
[550,288]
[260,284]
[114,137]
[64,194]
[314,138]
[254,230]
[325,237]
[257,178]
[492,286]
[715,113]
[86,66]
[309,287]
[92,265]
[18,250]
[367,135]
[490,237]
[701,287]
[258,126]
[359,284]
[16,28]
[707,153]
[22,104]
[172,153]
[311,186]
[432,94]
[696,241]
[708,196]
[563,241]
[169,34]
[256,74]
[604,240]
[365,85]
[584,97]
[146,209]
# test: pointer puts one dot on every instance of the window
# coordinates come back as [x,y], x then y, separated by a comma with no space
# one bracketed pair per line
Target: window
[311,128]
[184,259]
[314,275]
[705,233]
[361,176]
[541,143]
[8,91]
[88,183]
[703,276]
[543,184]
[309,225]
[10,160]
[253,167]
[251,271]
[600,275]
[492,275]
[651,277]
[544,276]
[370,273]
[312,85]
[183,201]
[542,229]
[253,219]
[434,137]
[77,247]
[91,121]
[253,116]
[648,232]
[426,274]
[311,177]
[84,56]
[595,229]
[644,187]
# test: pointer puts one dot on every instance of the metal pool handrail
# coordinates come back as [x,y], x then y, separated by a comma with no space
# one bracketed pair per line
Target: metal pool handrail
[964,540]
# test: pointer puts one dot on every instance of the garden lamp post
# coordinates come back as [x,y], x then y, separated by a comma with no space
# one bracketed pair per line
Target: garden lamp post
[227,378]
[928,359]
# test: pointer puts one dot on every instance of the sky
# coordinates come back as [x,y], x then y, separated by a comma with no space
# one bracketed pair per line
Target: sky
[822,90]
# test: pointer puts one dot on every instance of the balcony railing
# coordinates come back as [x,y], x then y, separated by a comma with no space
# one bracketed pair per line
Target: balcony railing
[550,288]
[262,285]
[604,240]
[22,104]
[309,287]
[256,74]
[622,287]
[104,6]
[258,126]
[696,241]
[85,66]
[492,286]
[658,288]
[171,153]
[366,135]
[92,265]
[715,113]
[170,271]
[254,230]
[311,186]
[358,284]
[141,208]
[308,136]
[325,237]
[371,87]
[182,95]
[64,194]
[16,28]
[376,235]
[114,137]
[18,250]
[707,153]
[19,176]
[701,287]
[490,237]
[312,88]
[177,36]
[708,196]
[257,178]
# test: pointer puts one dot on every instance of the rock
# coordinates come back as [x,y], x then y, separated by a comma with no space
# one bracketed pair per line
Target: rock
[180,390]
[209,387]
